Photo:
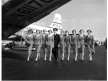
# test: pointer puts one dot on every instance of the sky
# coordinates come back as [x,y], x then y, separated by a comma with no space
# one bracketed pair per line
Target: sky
[81,14]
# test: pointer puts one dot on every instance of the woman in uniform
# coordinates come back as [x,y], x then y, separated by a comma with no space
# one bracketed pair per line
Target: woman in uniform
[38,39]
[90,43]
[50,43]
[81,42]
[74,44]
[44,46]
[67,42]
[29,39]
[62,44]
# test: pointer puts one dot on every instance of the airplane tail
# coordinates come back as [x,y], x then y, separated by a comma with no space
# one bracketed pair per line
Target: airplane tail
[57,22]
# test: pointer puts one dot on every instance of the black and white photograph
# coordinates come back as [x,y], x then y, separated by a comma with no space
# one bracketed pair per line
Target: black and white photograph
[54,40]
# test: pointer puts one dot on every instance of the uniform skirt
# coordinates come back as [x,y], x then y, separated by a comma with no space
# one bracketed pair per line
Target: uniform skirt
[38,48]
[91,49]
[62,48]
[81,48]
[74,48]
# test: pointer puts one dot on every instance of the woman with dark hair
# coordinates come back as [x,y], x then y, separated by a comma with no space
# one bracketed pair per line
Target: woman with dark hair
[38,43]
[81,42]
[74,44]
[29,39]
[62,44]
[50,43]
[90,43]
[67,42]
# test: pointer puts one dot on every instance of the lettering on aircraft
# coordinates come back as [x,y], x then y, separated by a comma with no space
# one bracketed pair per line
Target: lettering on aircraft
[29,7]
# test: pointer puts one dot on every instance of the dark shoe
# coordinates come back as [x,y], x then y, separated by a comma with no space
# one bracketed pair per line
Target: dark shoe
[31,59]
[62,60]
[81,60]
[74,60]
[90,60]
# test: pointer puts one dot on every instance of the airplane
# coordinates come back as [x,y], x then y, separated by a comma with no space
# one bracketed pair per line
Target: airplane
[57,23]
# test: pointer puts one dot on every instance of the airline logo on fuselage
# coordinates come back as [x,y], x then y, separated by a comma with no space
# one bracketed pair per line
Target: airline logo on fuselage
[29,7]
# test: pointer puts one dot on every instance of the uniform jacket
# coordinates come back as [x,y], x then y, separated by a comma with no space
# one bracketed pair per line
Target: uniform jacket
[81,39]
[89,39]
[62,38]
[56,40]
[44,38]
[74,40]
[67,40]
[30,38]
[50,40]
[38,39]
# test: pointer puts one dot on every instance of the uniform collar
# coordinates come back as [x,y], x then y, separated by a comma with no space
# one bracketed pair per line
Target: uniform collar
[81,35]
[49,35]
[30,35]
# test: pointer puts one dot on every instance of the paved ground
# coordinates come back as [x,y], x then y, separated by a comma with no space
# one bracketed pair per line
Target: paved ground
[15,67]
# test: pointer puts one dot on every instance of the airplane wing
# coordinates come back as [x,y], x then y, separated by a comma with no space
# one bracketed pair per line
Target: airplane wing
[17,14]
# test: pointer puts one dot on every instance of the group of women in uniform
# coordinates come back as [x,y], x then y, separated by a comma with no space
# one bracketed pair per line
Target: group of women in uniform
[75,41]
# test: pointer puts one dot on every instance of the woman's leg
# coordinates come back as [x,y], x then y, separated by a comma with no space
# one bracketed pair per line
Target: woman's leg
[44,51]
[80,52]
[83,48]
[90,53]
[68,52]
[38,51]
[61,52]
[76,53]
[73,50]
[63,48]
[66,48]
[40,47]
[29,52]
[50,47]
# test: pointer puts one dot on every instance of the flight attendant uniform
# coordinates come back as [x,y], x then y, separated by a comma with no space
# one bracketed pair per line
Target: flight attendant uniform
[44,45]
[38,43]
[81,40]
[62,45]
[30,40]
[50,44]
[67,42]
[74,45]
[90,44]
